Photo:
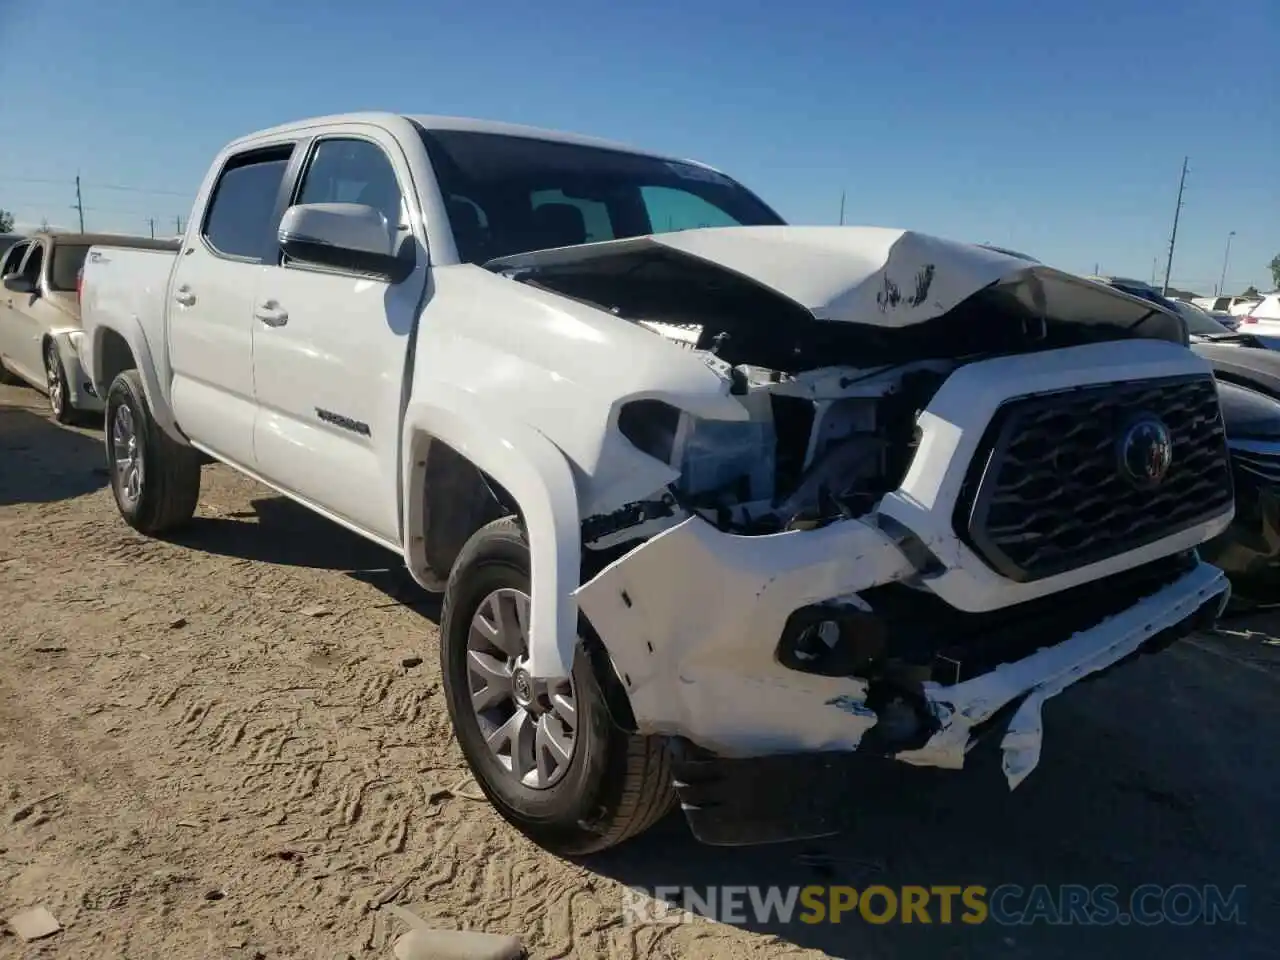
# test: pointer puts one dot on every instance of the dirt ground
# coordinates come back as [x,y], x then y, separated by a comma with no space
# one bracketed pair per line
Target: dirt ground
[234,745]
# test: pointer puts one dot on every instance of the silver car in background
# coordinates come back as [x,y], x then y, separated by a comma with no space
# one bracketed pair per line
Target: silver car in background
[40,329]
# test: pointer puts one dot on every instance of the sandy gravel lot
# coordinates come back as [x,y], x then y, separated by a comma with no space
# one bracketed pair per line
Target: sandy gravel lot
[231,744]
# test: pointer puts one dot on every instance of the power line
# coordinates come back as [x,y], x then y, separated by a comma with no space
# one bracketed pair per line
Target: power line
[99,186]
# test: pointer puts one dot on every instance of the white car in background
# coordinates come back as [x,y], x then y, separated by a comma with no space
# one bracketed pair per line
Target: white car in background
[1232,306]
[1263,318]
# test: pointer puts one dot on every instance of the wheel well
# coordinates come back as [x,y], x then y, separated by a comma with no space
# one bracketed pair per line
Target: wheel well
[458,499]
[116,357]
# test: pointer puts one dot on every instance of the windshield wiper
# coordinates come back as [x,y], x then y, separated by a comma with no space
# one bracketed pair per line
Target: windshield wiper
[1245,338]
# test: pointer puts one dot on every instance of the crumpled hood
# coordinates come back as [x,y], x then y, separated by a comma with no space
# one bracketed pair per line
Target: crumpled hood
[869,275]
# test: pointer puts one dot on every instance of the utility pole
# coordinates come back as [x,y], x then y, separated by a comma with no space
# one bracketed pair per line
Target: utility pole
[842,208]
[1173,237]
[1097,270]
[1222,284]
[178,221]
[151,222]
[79,203]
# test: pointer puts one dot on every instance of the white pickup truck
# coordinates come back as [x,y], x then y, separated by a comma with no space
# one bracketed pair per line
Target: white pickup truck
[719,506]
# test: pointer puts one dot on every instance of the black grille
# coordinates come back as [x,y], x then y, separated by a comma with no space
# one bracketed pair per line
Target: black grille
[1045,493]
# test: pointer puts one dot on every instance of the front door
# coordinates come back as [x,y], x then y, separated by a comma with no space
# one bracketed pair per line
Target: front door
[28,347]
[211,303]
[11,329]
[330,349]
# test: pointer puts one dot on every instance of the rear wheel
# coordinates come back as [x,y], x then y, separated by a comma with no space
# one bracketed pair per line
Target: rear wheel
[56,385]
[551,760]
[156,481]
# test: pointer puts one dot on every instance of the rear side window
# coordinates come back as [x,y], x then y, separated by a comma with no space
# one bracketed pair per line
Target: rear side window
[241,214]
[68,258]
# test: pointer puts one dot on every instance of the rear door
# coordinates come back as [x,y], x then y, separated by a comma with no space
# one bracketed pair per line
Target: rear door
[330,347]
[211,302]
[10,324]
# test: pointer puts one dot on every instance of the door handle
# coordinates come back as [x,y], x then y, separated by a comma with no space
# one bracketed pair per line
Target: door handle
[184,296]
[272,314]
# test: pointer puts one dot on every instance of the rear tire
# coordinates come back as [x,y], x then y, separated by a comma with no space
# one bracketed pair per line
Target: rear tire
[57,388]
[155,480]
[614,786]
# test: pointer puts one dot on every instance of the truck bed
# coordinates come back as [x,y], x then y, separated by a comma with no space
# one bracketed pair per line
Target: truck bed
[125,284]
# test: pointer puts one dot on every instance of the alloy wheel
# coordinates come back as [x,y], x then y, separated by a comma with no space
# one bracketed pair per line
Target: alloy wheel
[126,451]
[530,728]
[54,380]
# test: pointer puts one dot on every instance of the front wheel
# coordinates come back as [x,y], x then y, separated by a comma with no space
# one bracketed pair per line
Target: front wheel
[550,760]
[156,481]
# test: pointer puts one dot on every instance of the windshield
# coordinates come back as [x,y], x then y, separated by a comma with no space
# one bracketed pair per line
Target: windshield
[509,194]
[67,261]
[1198,322]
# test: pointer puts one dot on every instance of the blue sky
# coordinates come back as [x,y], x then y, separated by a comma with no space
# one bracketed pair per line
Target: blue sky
[1054,128]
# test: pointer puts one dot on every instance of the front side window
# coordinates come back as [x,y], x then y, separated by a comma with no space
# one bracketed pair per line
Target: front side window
[353,171]
[509,194]
[241,211]
[13,259]
[34,263]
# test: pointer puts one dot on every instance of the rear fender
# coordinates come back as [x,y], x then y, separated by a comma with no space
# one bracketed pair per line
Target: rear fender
[130,330]
[536,475]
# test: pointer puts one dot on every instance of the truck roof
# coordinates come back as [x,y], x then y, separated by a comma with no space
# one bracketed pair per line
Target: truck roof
[437,122]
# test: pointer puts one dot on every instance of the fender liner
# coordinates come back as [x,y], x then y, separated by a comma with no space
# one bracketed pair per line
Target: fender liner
[538,476]
[131,330]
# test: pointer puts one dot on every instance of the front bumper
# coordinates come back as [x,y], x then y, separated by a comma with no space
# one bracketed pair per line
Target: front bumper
[733,801]
[692,623]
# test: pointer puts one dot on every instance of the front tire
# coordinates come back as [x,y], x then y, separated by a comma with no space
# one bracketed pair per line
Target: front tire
[155,480]
[551,761]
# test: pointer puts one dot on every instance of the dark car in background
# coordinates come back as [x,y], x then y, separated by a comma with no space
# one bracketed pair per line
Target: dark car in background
[1249,549]
[1248,375]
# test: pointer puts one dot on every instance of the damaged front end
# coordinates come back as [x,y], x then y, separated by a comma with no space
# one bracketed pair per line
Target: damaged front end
[924,522]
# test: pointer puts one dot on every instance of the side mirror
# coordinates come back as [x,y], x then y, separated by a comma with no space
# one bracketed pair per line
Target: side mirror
[347,236]
[17,283]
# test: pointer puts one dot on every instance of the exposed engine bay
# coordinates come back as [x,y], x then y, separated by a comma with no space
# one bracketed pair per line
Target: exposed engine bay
[817,447]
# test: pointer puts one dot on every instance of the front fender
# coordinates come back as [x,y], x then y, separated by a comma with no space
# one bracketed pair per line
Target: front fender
[130,329]
[538,476]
